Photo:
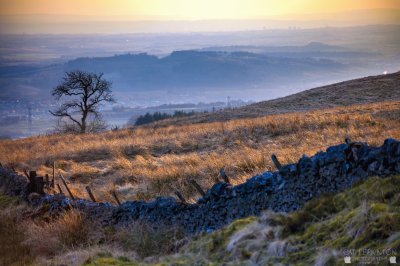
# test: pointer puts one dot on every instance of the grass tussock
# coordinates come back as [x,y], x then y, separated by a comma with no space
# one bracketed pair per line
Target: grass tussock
[149,241]
[146,162]
[28,238]
[13,250]
[68,231]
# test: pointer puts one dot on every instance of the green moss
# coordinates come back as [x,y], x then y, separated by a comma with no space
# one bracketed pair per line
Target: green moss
[363,217]
[379,207]
[123,258]
[219,239]
[366,216]
[111,261]
[6,201]
[315,210]
[395,243]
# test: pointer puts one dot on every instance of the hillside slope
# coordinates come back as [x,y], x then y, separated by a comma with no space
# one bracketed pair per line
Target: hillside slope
[146,162]
[358,91]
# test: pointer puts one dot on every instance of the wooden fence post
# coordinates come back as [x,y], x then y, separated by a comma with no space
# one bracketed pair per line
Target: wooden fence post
[275,160]
[116,197]
[59,189]
[180,196]
[54,174]
[36,183]
[27,175]
[89,191]
[47,181]
[66,186]
[198,188]
[224,176]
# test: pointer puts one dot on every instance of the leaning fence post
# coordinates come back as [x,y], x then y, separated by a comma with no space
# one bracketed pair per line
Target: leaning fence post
[89,191]
[116,198]
[179,195]
[275,160]
[224,176]
[59,189]
[27,175]
[54,174]
[198,188]
[66,186]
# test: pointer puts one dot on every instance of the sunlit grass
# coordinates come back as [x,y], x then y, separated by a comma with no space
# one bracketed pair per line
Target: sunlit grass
[146,162]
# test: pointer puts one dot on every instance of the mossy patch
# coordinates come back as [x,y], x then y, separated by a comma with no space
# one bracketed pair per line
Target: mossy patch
[366,216]
[6,201]
[111,261]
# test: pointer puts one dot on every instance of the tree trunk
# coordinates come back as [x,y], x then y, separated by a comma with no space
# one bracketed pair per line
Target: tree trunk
[83,124]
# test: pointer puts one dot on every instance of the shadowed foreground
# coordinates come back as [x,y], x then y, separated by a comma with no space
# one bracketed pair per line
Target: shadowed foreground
[365,216]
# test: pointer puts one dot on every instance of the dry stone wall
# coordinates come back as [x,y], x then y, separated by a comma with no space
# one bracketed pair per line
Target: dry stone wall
[334,170]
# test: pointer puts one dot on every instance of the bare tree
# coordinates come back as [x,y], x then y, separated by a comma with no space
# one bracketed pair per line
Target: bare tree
[84,93]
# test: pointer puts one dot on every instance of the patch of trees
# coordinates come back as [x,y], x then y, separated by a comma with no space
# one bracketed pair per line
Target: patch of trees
[157,116]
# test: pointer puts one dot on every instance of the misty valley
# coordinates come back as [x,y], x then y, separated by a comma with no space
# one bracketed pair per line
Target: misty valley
[209,72]
[199,132]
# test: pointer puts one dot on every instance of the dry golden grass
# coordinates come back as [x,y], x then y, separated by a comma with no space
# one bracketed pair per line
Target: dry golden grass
[68,231]
[28,237]
[13,250]
[365,90]
[146,162]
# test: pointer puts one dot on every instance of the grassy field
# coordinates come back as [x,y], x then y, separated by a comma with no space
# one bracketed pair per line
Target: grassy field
[358,91]
[146,162]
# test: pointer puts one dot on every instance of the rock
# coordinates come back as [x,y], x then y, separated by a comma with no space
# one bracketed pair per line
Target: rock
[260,180]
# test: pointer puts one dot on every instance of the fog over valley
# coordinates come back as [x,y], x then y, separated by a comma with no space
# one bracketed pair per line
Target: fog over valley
[207,70]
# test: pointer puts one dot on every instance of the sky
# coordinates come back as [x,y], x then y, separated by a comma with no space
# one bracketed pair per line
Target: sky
[188,9]
[136,16]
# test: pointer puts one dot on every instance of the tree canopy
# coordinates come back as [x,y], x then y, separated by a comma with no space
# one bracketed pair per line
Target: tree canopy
[83,93]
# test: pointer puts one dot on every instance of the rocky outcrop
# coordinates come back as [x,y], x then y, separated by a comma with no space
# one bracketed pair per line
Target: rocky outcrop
[286,190]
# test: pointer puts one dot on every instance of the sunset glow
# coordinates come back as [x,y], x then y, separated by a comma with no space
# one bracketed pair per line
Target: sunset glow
[188,9]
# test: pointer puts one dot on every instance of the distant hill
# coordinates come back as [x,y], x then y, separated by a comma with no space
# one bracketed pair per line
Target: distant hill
[205,74]
[186,69]
[358,91]
[312,50]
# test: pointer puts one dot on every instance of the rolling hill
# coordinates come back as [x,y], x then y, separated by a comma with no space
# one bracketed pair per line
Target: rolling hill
[144,163]
[358,91]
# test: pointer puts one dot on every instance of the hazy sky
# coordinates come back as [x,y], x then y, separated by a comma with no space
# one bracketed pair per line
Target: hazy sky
[188,9]
[136,16]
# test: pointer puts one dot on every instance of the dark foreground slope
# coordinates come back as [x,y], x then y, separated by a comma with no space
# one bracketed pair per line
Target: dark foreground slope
[286,190]
[325,227]
[358,91]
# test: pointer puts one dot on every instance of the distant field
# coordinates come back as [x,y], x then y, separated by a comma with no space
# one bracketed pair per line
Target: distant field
[143,163]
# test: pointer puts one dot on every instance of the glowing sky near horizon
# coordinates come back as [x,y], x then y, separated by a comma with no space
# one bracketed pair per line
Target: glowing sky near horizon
[188,9]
